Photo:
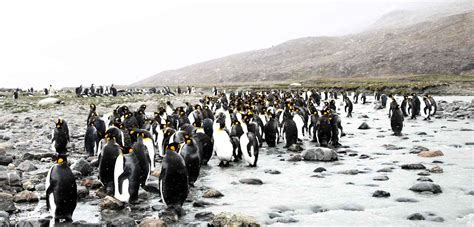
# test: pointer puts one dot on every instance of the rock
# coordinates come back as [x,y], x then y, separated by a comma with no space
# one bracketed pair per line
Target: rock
[416,217]
[385,170]
[363,156]
[204,216]
[40,187]
[111,203]
[10,178]
[82,192]
[82,166]
[319,154]
[364,126]
[437,219]
[295,148]
[380,178]
[26,166]
[212,193]
[430,154]
[286,220]
[352,207]
[436,169]
[426,186]
[91,183]
[470,193]
[26,196]
[123,221]
[228,219]
[417,149]
[381,194]
[4,219]
[319,170]
[11,166]
[5,160]
[424,173]
[295,158]
[406,200]
[28,185]
[413,166]
[349,172]
[253,181]
[437,162]
[272,171]
[421,133]
[6,202]
[273,215]
[202,204]
[152,222]
[49,101]
[391,147]
[155,173]
[425,179]
[318,209]
[169,216]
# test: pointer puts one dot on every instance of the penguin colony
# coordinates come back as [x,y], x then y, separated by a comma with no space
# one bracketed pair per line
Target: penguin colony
[229,125]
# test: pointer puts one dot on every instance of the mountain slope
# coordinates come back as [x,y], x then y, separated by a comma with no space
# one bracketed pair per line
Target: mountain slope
[441,46]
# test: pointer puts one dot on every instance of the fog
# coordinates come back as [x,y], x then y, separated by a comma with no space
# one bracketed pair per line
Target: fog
[69,43]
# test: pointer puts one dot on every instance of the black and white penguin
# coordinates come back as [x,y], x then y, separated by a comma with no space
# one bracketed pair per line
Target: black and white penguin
[312,129]
[60,137]
[91,141]
[207,126]
[396,119]
[222,143]
[127,171]
[249,148]
[107,159]
[271,131]
[140,150]
[324,128]
[290,132]
[190,153]
[61,190]
[173,181]
[206,147]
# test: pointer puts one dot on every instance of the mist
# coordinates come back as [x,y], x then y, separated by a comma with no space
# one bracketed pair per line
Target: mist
[68,44]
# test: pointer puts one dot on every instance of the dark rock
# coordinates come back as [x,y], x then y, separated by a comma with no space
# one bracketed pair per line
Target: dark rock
[158,207]
[413,166]
[380,178]
[406,200]
[416,217]
[363,156]
[319,170]
[272,171]
[5,160]
[319,154]
[424,173]
[212,193]
[253,181]
[82,192]
[470,193]
[381,194]
[202,204]
[417,149]
[6,202]
[425,179]
[82,166]
[421,133]
[426,186]
[364,126]
[204,216]
[437,162]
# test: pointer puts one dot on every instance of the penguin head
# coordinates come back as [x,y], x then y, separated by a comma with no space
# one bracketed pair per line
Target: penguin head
[143,107]
[187,139]
[172,147]
[168,103]
[59,122]
[60,159]
[92,106]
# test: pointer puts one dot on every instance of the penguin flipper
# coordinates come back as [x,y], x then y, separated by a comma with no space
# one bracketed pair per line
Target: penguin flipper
[124,176]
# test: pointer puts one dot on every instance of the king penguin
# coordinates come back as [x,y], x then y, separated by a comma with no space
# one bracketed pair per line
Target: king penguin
[107,159]
[222,143]
[60,137]
[127,172]
[190,153]
[61,190]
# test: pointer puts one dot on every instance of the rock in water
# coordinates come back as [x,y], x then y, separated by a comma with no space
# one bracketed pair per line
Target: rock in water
[152,222]
[417,149]
[319,154]
[426,187]
[82,166]
[319,170]
[416,217]
[111,203]
[212,193]
[380,178]
[413,166]
[381,194]
[430,154]
[253,181]
[228,219]
[364,126]
[49,101]
[426,179]
[436,169]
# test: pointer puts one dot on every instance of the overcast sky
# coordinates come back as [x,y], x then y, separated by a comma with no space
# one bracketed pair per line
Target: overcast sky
[68,43]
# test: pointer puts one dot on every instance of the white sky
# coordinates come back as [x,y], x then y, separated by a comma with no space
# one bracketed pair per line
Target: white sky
[68,43]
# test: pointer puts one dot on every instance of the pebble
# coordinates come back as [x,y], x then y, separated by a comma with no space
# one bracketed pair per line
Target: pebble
[416,217]
[319,170]
[381,194]
[413,166]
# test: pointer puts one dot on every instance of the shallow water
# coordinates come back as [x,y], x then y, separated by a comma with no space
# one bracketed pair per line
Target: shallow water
[294,192]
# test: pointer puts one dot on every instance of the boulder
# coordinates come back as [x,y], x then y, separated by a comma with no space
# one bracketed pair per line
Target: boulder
[111,203]
[10,178]
[426,187]
[228,219]
[82,166]
[204,216]
[6,202]
[320,154]
[82,192]
[26,196]
[26,166]
[430,154]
